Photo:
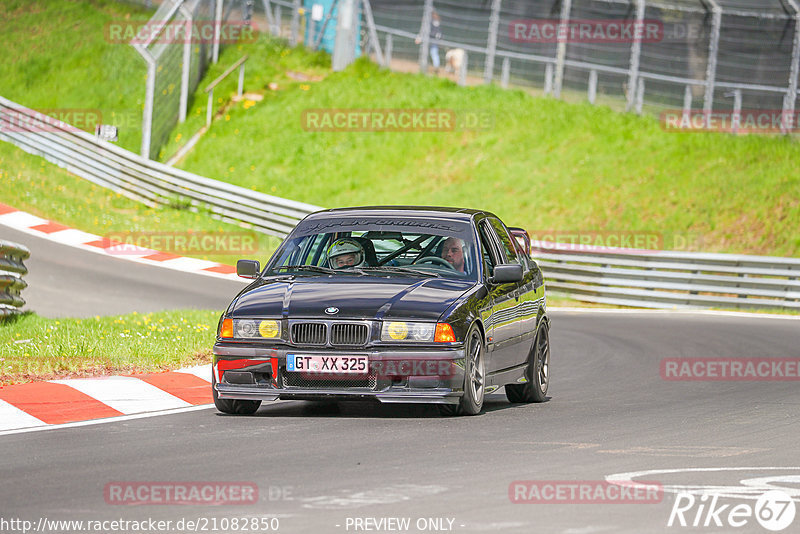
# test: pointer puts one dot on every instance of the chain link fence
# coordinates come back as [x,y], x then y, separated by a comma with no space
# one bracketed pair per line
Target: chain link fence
[294,21]
[704,55]
[178,43]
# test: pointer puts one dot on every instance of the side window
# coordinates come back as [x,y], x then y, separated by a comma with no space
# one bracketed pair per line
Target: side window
[488,249]
[505,241]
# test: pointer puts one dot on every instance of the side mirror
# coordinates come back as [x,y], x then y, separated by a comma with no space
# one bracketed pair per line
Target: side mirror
[248,268]
[507,273]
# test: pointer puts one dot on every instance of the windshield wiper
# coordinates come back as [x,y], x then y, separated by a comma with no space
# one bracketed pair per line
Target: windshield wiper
[400,270]
[313,268]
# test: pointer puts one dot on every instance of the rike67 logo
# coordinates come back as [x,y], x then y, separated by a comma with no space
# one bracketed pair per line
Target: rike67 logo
[724,499]
[774,510]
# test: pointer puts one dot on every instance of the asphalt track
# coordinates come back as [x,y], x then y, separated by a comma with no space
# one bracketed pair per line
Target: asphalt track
[316,465]
[65,281]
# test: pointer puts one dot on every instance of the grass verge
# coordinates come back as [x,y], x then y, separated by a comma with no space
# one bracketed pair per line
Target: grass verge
[58,59]
[541,163]
[35,348]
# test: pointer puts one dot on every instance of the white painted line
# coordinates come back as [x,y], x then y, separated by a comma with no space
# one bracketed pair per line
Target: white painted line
[71,236]
[748,489]
[188,264]
[20,219]
[182,267]
[125,394]
[106,420]
[12,417]
[200,371]
[129,250]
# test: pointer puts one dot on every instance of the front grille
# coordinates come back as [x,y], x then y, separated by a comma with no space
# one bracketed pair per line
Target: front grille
[303,380]
[349,334]
[309,333]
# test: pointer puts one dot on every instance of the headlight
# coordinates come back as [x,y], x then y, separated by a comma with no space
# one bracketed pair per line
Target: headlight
[253,329]
[403,331]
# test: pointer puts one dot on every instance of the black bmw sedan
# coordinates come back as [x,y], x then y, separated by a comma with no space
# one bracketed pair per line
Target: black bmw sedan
[388,304]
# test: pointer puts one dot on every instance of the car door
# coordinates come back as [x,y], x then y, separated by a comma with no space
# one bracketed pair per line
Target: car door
[503,316]
[529,293]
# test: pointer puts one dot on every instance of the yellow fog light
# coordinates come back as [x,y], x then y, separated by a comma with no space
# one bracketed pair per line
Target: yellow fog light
[269,329]
[398,330]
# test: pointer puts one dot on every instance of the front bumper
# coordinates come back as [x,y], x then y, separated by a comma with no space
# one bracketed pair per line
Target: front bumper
[251,372]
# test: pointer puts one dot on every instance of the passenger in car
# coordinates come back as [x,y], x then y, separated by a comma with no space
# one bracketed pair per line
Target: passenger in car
[453,252]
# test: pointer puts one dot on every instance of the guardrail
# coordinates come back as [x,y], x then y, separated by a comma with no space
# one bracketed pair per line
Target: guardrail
[666,279]
[12,269]
[142,179]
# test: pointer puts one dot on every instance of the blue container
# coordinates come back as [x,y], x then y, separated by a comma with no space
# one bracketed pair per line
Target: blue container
[329,37]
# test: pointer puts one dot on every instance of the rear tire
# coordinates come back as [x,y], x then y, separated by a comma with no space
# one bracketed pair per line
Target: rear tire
[234,407]
[471,402]
[538,373]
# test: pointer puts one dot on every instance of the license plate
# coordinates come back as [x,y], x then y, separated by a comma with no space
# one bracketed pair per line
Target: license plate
[306,363]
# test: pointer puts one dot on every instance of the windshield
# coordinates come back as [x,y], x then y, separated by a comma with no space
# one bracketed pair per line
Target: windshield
[380,247]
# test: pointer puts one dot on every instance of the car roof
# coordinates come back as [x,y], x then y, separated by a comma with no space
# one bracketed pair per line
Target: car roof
[462,214]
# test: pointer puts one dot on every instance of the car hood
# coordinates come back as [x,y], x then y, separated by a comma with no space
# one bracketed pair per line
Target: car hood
[356,297]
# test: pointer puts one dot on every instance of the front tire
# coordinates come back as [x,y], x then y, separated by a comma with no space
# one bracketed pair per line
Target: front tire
[538,373]
[471,402]
[234,407]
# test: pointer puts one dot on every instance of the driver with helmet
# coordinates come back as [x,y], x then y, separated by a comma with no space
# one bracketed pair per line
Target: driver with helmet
[344,253]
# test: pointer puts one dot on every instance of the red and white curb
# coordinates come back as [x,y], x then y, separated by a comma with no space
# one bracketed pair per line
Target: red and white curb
[31,224]
[56,402]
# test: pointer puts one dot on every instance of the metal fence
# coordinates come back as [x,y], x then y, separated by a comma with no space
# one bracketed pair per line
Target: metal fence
[12,269]
[292,20]
[708,55]
[175,66]
[714,56]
